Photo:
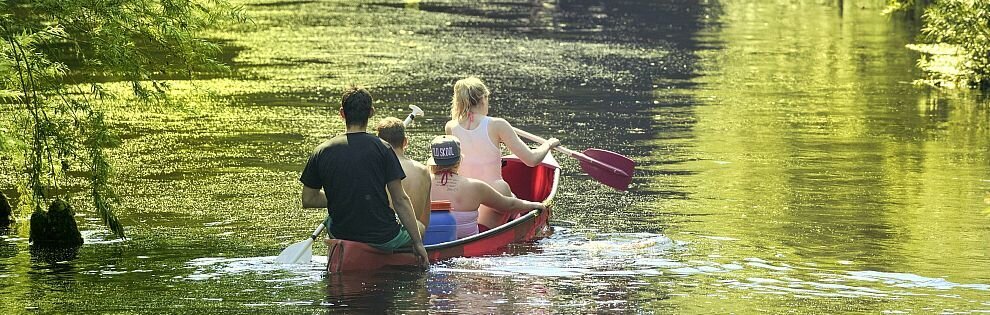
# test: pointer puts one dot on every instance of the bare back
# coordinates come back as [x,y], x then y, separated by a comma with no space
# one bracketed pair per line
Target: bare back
[481,141]
[469,194]
[459,190]
[417,187]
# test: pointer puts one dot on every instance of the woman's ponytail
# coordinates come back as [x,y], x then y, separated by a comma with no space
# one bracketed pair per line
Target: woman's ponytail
[468,93]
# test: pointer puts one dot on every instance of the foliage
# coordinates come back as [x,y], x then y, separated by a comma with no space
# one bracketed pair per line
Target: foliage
[956,41]
[895,6]
[53,56]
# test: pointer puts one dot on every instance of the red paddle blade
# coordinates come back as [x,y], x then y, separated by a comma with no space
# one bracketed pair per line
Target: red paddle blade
[603,165]
[613,159]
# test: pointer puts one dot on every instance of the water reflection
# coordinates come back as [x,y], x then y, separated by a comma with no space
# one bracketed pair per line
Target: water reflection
[376,292]
[207,268]
[54,257]
[812,149]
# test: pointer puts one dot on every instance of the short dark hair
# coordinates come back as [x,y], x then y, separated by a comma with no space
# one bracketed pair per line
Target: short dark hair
[392,131]
[356,104]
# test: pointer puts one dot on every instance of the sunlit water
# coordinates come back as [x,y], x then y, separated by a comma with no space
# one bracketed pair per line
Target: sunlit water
[786,164]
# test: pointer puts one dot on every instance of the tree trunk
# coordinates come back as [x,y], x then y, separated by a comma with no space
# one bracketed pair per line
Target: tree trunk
[55,228]
[6,213]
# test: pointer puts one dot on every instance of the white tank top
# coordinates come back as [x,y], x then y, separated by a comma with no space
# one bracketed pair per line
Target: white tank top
[482,159]
[467,223]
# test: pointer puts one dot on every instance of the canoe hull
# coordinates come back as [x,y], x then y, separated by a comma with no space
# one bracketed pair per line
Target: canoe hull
[537,183]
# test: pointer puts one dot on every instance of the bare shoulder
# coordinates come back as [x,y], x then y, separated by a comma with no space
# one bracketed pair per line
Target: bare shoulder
[418,165]
[501,127]
[500,122]
[410,166]
[450,125]
[421,168]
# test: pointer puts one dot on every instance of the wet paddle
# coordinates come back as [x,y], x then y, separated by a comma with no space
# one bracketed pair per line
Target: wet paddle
[416,111]
[607,167]
[302,252]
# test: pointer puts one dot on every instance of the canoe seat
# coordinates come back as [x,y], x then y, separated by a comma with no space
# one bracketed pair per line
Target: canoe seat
[344,255]
[528,183]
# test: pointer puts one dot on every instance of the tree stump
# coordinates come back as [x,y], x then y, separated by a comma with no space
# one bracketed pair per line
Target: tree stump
[55,228]
[6,213]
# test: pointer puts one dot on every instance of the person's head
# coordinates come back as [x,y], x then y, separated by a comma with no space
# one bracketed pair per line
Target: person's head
[392,131]
[469,94]
[445,154]
[356,107]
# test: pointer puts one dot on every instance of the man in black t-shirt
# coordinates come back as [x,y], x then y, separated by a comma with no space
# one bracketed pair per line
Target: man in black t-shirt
[348,175]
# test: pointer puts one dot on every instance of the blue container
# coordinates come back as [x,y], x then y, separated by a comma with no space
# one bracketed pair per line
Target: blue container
[443,227]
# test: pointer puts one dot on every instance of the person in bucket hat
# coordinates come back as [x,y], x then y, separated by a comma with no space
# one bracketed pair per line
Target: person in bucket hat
[465,194]
[445,151]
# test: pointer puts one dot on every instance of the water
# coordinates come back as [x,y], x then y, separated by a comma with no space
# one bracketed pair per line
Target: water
[786,164]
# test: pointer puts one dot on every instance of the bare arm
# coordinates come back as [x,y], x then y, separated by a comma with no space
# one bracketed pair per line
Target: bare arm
[404,209]
[425,216]
[408,218]
[313,198]
[418,192]
[531,157]
[492,198]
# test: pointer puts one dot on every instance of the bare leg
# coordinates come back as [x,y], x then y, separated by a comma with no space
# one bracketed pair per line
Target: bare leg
[490,217]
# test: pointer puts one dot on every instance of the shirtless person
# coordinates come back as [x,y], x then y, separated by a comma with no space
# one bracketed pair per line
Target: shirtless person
[417,181]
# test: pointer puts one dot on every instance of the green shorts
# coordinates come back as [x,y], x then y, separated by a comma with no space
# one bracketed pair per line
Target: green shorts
[400,240]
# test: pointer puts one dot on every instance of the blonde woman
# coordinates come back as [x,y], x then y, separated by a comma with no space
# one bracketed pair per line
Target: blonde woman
[481,137]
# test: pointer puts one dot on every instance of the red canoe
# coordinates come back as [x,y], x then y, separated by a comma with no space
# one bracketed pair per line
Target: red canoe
[530,183]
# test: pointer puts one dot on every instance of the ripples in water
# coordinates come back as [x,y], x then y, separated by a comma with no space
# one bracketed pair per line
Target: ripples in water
[577,259]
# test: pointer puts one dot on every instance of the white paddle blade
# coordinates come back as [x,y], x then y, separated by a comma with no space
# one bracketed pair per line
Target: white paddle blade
[298,253]
[416,111]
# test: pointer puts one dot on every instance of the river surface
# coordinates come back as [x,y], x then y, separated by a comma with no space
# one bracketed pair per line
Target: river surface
[786,164]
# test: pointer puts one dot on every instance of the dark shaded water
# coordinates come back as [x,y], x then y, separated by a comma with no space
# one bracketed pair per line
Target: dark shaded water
[786,165]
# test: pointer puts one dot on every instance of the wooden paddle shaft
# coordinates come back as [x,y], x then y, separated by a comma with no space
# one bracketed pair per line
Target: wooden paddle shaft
[408,120]
[415,110]
[540,140]
[316,234]
[577,155]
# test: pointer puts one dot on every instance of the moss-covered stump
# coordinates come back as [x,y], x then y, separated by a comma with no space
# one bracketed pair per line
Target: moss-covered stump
[55,228]
[6,213]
